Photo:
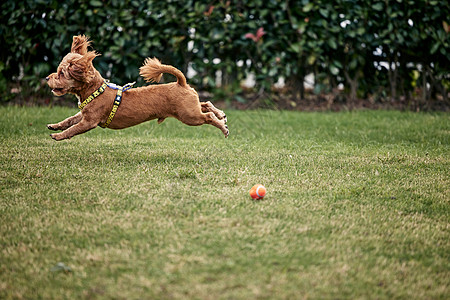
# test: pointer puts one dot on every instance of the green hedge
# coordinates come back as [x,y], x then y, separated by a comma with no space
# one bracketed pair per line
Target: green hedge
[374,49]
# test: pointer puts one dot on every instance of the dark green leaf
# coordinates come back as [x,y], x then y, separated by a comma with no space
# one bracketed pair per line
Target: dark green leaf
[434,48]
[378,6]
[334,70]
[332,43]
[96,3]
[324,12]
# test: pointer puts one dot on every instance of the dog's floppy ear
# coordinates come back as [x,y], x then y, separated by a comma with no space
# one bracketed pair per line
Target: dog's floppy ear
[81,69]
[80,44]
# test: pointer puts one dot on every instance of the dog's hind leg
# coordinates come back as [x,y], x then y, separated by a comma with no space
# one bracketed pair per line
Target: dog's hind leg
[63,125]
[209,107]
[221,124]
[205,118]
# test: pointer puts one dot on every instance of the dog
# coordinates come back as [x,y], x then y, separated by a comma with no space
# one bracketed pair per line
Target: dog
[100,104]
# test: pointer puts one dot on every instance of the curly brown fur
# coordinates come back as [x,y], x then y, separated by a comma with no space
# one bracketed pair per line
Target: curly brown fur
[76,75]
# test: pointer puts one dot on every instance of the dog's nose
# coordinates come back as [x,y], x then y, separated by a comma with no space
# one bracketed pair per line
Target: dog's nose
[47,78]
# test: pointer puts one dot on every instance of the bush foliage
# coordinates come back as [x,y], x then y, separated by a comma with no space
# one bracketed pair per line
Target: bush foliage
[374,49]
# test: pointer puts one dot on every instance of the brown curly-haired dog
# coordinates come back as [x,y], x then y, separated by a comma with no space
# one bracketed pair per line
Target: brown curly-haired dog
[77,75]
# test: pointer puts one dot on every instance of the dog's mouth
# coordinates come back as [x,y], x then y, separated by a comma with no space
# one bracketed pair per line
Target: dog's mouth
[58,91]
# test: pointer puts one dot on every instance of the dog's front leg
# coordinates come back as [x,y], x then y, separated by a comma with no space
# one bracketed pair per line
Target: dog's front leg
[63,125]
[83,126]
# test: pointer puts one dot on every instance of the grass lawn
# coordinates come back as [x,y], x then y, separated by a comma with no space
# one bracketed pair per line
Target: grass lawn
[357,206]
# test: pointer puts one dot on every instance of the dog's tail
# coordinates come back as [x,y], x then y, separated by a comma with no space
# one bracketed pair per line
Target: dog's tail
[152,71]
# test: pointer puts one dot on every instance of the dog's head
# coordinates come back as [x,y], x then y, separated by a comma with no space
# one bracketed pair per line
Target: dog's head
[75,70]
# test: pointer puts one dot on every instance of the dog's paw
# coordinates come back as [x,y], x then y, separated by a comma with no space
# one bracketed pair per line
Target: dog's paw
[52,127]
[56,136]
[221,116]
[226,132]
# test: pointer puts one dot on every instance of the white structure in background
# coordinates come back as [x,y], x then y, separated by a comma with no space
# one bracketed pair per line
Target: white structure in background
[249,81]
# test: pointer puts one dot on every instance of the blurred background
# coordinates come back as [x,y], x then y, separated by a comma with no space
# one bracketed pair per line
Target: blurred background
[319,55]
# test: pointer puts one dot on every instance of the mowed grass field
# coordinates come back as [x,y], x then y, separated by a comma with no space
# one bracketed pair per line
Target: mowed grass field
[357,207]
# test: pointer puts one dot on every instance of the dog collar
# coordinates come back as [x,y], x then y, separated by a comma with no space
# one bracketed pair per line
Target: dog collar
[95,94]
[117,100]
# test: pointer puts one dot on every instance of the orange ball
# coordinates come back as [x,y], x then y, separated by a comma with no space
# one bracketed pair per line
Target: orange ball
[258,191]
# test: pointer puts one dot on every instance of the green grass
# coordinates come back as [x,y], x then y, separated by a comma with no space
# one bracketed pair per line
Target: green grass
[357,207]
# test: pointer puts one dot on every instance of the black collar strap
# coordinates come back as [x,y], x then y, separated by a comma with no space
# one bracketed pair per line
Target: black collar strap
[95,94]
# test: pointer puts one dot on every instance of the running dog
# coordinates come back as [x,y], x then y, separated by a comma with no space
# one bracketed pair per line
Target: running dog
[107,105]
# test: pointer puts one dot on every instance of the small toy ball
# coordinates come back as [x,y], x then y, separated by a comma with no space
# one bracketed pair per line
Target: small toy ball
[258,191]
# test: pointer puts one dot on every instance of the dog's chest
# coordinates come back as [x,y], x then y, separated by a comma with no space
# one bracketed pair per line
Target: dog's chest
[79,100]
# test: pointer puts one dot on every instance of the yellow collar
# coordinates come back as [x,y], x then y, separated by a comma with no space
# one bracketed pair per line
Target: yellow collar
[95,94]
